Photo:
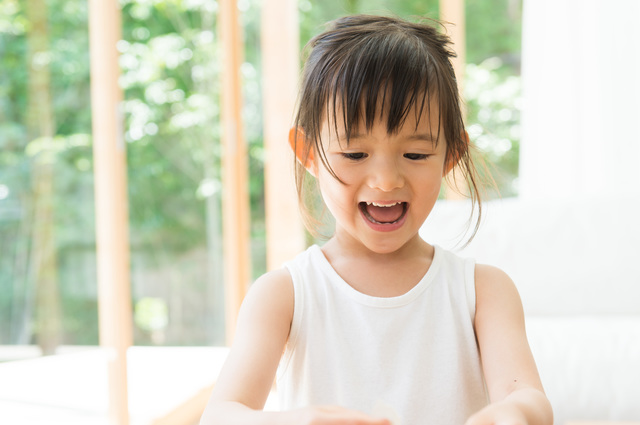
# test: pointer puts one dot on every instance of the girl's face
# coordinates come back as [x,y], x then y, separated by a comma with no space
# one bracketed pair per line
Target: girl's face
[391,181]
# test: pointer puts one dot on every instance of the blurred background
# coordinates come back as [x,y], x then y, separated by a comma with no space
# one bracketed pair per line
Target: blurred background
[169,56]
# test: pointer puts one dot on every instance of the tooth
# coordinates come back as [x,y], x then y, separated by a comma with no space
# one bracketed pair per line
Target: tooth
[385,205]
[377,204]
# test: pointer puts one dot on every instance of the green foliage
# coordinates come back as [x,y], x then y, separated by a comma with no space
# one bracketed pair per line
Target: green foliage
[494,120]
[166,52]
[80,320]
[493,29]
[69,152]
[314,14]
[151,314]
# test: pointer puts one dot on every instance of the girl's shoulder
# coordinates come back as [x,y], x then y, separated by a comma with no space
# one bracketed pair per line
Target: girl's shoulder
[275,284]
[269,301]
[492,281]
[497,297]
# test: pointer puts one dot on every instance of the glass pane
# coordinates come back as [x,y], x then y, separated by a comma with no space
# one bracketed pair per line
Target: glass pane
[170,60]
[47,236]
[48,283]
[170,75]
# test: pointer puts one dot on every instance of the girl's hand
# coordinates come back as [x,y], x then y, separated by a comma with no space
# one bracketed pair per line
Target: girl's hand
[334,415]
[503,413]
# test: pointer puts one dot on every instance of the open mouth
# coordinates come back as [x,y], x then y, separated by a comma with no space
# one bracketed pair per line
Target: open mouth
[383,213]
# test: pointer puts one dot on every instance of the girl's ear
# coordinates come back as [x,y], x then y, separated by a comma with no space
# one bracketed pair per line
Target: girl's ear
[454,161]
[297,141]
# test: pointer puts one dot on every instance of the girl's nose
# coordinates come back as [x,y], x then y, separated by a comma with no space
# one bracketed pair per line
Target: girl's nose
[386,176]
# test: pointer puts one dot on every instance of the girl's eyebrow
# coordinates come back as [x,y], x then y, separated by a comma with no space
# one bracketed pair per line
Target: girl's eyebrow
[424,136]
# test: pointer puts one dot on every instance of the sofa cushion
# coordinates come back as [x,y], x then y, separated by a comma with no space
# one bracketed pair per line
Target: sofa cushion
[589,366]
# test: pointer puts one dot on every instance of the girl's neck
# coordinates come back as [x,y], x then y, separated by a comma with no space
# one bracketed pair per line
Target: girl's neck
[344,246]
[382,275]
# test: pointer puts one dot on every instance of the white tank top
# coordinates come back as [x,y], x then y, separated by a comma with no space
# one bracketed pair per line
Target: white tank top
[415,353]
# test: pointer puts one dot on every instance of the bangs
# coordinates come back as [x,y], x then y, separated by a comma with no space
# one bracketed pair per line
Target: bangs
[382,77]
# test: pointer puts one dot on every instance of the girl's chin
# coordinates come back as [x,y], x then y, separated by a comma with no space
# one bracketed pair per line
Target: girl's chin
[388,244]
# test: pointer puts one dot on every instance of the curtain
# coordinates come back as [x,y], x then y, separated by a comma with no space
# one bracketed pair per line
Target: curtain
[581,105]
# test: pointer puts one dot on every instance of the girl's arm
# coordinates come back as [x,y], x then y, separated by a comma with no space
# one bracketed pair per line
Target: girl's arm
[243,386]
[515,389]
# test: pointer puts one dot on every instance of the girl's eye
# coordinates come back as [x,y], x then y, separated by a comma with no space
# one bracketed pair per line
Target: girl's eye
[416,156]
[354,156]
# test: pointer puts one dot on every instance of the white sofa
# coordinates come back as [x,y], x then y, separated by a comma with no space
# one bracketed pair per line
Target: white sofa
[576,265]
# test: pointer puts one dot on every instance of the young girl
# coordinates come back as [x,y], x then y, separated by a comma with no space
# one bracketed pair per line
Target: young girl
[378,326]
